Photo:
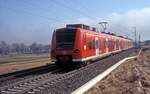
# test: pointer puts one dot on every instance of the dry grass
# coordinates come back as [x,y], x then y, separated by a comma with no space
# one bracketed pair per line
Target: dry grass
[20,58]
[133,77]
[23,62]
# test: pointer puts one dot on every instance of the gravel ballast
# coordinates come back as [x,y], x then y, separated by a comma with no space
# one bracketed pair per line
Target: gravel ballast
[132,77]
[83,75]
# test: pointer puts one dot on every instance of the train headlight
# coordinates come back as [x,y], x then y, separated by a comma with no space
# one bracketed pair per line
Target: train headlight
[76,51]
[64,59]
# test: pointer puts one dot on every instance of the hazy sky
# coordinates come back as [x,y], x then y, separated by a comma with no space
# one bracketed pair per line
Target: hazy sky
[34,20]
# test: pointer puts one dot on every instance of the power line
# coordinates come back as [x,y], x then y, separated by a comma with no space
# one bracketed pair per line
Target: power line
[81,6]
[77,5]
[34,6]
[126,33]
[30,13]
[56,18]
[72,9]
[48,11]
[129,35]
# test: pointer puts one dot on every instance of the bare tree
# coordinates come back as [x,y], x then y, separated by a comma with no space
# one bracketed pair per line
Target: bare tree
[21,48]
[4,48]
[34,48]
[16,48]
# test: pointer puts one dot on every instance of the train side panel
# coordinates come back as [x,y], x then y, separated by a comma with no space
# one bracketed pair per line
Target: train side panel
[88,45]
[77,51]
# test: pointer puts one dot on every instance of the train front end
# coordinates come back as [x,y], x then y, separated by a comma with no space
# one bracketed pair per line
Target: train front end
[65,46]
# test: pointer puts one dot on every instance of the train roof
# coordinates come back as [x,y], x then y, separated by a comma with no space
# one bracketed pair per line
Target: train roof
[83,26]
[86,27]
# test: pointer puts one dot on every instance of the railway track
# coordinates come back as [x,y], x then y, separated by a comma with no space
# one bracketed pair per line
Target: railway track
[19,75]
[59,82]
[25,85]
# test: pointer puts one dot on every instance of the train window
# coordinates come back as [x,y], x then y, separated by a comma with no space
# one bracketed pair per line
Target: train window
[84,36]
[93,44]
[117,43]
[90,44]
[97,44]
[65,38]
[111,43]
[106,43]
[114,43]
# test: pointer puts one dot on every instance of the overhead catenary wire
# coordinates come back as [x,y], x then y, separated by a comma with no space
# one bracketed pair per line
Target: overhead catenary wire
[29,13]
[81,6]
[72,9]
[77,4]
[125,31]
[52,12]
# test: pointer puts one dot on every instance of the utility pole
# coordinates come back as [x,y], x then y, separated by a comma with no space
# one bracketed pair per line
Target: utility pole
[139,40]
[135,36]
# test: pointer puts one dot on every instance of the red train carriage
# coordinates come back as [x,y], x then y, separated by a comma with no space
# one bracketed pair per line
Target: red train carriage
[78,43]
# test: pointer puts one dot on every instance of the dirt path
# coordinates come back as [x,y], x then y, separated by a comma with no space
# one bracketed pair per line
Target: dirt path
[133,77]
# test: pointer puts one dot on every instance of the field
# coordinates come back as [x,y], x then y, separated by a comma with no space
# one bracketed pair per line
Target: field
[24,61]
[133,77]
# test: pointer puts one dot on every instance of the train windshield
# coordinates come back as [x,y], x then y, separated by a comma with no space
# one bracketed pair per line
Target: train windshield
[65,38]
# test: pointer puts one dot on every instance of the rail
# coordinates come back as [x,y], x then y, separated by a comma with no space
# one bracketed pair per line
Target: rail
[101,76]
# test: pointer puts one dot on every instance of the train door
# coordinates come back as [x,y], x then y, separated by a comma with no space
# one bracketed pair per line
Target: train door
[107,45]
[97,46]
[115,48]
[119,45]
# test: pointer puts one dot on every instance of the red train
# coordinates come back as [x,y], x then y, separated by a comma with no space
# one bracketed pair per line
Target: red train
[78,44]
